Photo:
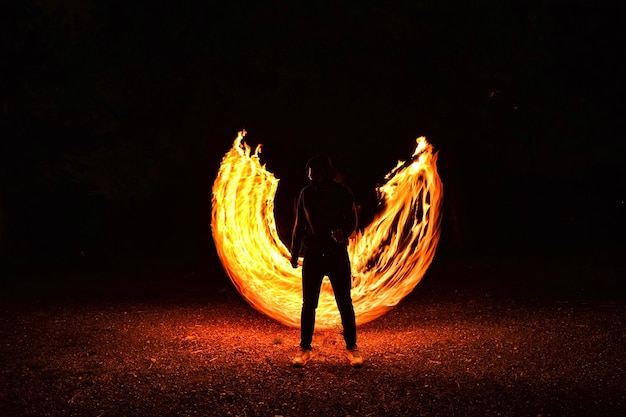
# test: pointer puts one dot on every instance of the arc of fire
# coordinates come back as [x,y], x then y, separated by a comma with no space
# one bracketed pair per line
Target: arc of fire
[389,256]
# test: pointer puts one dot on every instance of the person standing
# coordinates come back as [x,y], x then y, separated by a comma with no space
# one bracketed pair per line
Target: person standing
[325,218]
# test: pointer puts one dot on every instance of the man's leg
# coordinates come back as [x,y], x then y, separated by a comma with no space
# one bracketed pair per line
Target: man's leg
[341,280]
[312,275]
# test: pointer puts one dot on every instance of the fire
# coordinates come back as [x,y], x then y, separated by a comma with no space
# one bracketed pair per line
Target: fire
[389,256]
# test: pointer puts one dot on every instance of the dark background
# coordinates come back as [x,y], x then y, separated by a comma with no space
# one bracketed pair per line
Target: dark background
[115,116]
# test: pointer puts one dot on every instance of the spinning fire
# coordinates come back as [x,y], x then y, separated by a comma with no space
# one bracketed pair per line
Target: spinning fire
[389,256]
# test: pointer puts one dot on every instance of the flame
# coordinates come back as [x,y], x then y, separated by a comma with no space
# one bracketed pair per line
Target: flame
[389,256]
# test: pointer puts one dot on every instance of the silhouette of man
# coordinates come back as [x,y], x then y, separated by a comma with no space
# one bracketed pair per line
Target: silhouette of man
[325,218]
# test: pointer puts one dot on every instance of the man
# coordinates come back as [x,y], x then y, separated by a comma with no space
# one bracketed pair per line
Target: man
[325,218]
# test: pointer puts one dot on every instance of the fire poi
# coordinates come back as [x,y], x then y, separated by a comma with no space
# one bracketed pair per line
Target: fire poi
[389,256]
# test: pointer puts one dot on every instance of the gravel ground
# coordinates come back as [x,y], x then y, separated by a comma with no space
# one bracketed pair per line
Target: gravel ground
[466,342]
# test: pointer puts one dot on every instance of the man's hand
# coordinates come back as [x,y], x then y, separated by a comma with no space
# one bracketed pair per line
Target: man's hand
[337,235]
[294,261]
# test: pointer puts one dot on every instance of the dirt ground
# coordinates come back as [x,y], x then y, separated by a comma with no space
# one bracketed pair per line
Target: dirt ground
[473,339]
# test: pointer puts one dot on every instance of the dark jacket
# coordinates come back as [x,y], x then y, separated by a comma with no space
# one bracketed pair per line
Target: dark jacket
[322,208]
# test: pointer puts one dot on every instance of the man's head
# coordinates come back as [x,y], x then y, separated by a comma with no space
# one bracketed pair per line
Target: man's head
[320,170]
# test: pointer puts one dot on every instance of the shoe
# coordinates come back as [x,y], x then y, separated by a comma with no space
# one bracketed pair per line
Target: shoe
[301,358]
[355,358]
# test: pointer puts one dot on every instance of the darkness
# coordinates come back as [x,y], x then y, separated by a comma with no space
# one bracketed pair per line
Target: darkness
[115,116]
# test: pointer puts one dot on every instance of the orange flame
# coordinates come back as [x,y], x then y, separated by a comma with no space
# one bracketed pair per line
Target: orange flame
[389,257]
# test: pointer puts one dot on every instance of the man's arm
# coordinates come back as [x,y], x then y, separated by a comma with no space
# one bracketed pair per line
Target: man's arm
[349,219]
[299,230]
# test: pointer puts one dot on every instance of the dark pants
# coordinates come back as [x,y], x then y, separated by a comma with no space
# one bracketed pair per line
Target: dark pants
[334,263]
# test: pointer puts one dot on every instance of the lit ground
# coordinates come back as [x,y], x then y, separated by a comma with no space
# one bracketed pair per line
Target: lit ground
[469,341]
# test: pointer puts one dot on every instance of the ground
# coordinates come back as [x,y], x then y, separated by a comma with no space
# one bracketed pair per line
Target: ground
[473,339]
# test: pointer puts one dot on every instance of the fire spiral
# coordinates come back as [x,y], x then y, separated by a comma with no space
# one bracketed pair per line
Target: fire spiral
[389,256]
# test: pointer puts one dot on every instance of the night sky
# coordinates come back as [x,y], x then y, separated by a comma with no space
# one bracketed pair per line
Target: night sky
[115,116]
